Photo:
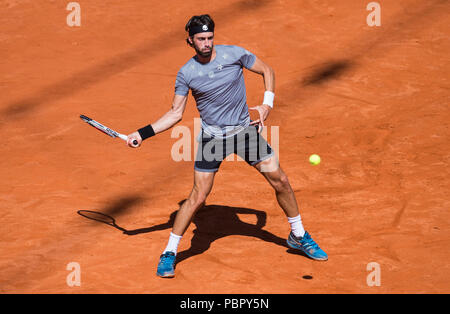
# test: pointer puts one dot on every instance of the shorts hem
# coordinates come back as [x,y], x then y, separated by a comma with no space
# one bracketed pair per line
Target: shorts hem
[206,170]
[262,159]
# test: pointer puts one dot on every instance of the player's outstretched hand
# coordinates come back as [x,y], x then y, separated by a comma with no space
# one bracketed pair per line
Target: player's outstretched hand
[134,140]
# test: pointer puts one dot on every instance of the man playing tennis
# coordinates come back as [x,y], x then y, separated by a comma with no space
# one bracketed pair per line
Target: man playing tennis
[215,77]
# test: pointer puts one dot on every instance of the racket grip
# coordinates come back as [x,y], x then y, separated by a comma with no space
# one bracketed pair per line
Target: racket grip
[125,138]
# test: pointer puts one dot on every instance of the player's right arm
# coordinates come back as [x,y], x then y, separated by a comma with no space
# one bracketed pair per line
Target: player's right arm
[173,116]
[168,120]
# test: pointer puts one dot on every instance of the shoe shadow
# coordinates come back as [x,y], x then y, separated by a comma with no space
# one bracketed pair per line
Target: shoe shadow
[297,252]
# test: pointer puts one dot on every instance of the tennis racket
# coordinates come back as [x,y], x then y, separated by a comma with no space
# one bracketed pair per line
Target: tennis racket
[105,129]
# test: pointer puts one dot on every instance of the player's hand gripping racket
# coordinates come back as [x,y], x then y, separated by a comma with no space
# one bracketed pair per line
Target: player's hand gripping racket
[106,130]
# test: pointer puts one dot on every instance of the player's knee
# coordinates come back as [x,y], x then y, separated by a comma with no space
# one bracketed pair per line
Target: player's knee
[198,198]
[201,199]
[282,183]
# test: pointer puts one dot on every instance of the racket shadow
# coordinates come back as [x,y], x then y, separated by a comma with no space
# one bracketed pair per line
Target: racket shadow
[110,221]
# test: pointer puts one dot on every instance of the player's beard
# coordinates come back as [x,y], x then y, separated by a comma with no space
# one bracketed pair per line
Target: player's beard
[204,54]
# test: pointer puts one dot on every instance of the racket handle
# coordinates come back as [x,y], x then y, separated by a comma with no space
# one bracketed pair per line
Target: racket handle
[125,138]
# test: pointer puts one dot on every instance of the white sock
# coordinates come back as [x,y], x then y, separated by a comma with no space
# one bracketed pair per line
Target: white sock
[296,226]
[172,246]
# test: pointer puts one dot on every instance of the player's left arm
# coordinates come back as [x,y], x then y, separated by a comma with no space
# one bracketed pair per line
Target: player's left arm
[268,75]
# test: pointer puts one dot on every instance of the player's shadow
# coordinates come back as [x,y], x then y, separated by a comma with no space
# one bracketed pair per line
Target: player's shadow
[212,222]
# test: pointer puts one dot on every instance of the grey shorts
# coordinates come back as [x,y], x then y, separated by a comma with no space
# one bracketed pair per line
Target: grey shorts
[247,144]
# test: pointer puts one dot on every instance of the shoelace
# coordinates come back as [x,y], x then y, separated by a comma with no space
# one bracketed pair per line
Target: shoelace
[309,243]
[166,259]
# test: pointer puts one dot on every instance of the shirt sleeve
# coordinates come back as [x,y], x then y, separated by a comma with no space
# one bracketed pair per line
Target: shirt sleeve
[181,87]
[245,57]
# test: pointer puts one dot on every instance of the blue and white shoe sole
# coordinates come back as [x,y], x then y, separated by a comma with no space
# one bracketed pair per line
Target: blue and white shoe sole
[165,275]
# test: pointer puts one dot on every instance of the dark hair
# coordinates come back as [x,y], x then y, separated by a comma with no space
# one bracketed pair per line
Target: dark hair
[199,20]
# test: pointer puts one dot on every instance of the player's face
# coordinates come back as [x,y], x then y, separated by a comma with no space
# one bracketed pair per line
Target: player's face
[203,43]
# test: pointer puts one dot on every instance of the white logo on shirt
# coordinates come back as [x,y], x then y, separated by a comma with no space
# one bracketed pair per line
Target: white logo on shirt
[219,67]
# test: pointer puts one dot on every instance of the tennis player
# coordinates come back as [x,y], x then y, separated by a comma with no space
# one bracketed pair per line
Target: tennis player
[215,77]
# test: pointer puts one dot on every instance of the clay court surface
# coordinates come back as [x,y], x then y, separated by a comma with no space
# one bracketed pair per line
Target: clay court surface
[373,102]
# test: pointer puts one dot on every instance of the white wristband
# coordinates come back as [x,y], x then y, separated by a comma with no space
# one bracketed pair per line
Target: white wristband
[268,98]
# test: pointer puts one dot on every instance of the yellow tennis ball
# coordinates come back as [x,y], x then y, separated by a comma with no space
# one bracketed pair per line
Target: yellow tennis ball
[314,159]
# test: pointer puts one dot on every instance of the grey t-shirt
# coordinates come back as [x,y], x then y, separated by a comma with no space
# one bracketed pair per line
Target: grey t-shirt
[219,89]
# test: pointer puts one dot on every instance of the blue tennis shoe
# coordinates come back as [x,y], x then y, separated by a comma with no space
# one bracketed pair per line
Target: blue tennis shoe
[166,265]
[307,245]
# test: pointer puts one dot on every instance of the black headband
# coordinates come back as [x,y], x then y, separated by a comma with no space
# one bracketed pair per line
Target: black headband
[200,29]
